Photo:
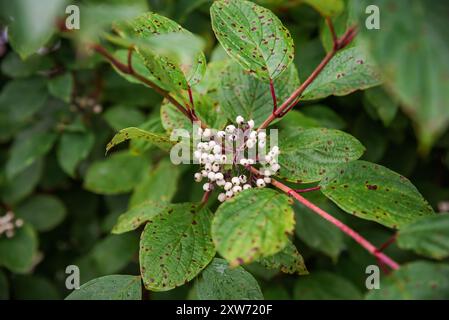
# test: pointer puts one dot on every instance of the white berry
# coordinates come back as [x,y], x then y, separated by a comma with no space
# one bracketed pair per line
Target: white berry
[215,167]
[198,177]
[230,128]
[219,176]
[246,186]
[216,149]
[221,197]
[260,183]
[228,186]
[207,186]
[211,176]
[239,120]
[207,133]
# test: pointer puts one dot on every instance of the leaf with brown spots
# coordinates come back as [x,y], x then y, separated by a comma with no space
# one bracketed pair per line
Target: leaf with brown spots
[240,93]
[350,70]
[220,282]
[428,236]
[419,280]
[289,260]
[112,287]
[175,246]
[154,37]
[253,36]
[309,154]
[373,192]
[252,225]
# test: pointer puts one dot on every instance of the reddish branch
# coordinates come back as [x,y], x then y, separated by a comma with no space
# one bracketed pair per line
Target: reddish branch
[127,69]
[293,99]
[273,96]
[340,225]
[307,189]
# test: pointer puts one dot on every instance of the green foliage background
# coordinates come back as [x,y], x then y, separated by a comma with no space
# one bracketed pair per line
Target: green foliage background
[60,107]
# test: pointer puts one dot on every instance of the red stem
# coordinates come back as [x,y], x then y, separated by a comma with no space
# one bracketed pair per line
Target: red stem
[308,189]
[387,243]
[291,101]
[332,31]
[127,70]
[273,96]
[192,108]
[340,225]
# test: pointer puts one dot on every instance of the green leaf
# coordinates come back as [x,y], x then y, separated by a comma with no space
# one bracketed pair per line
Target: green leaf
[325,286]
[17,253]
[325,116]
[316,232]
[138,215]
[384,107]
[294,121]
[370,191]
[207,109]
[418,280]
[288,260]
[13,66]
[98,17]
[254,224]
[26,150]
[241,94]
[73,148]
[15,189]
[311,153]
[253,36]
[113,287]
[327,8]
[43,212]
[160,140]
[158,185]
[119,173]
[16,107]
[119,117]
[175,246]
[27,29]
[154,125]
[413,63]
[428,236]
[61,87]
[350,70]
[159,35]
[220,282]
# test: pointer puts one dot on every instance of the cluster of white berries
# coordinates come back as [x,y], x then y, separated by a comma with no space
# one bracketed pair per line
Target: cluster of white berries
[220,166]
[8,224]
